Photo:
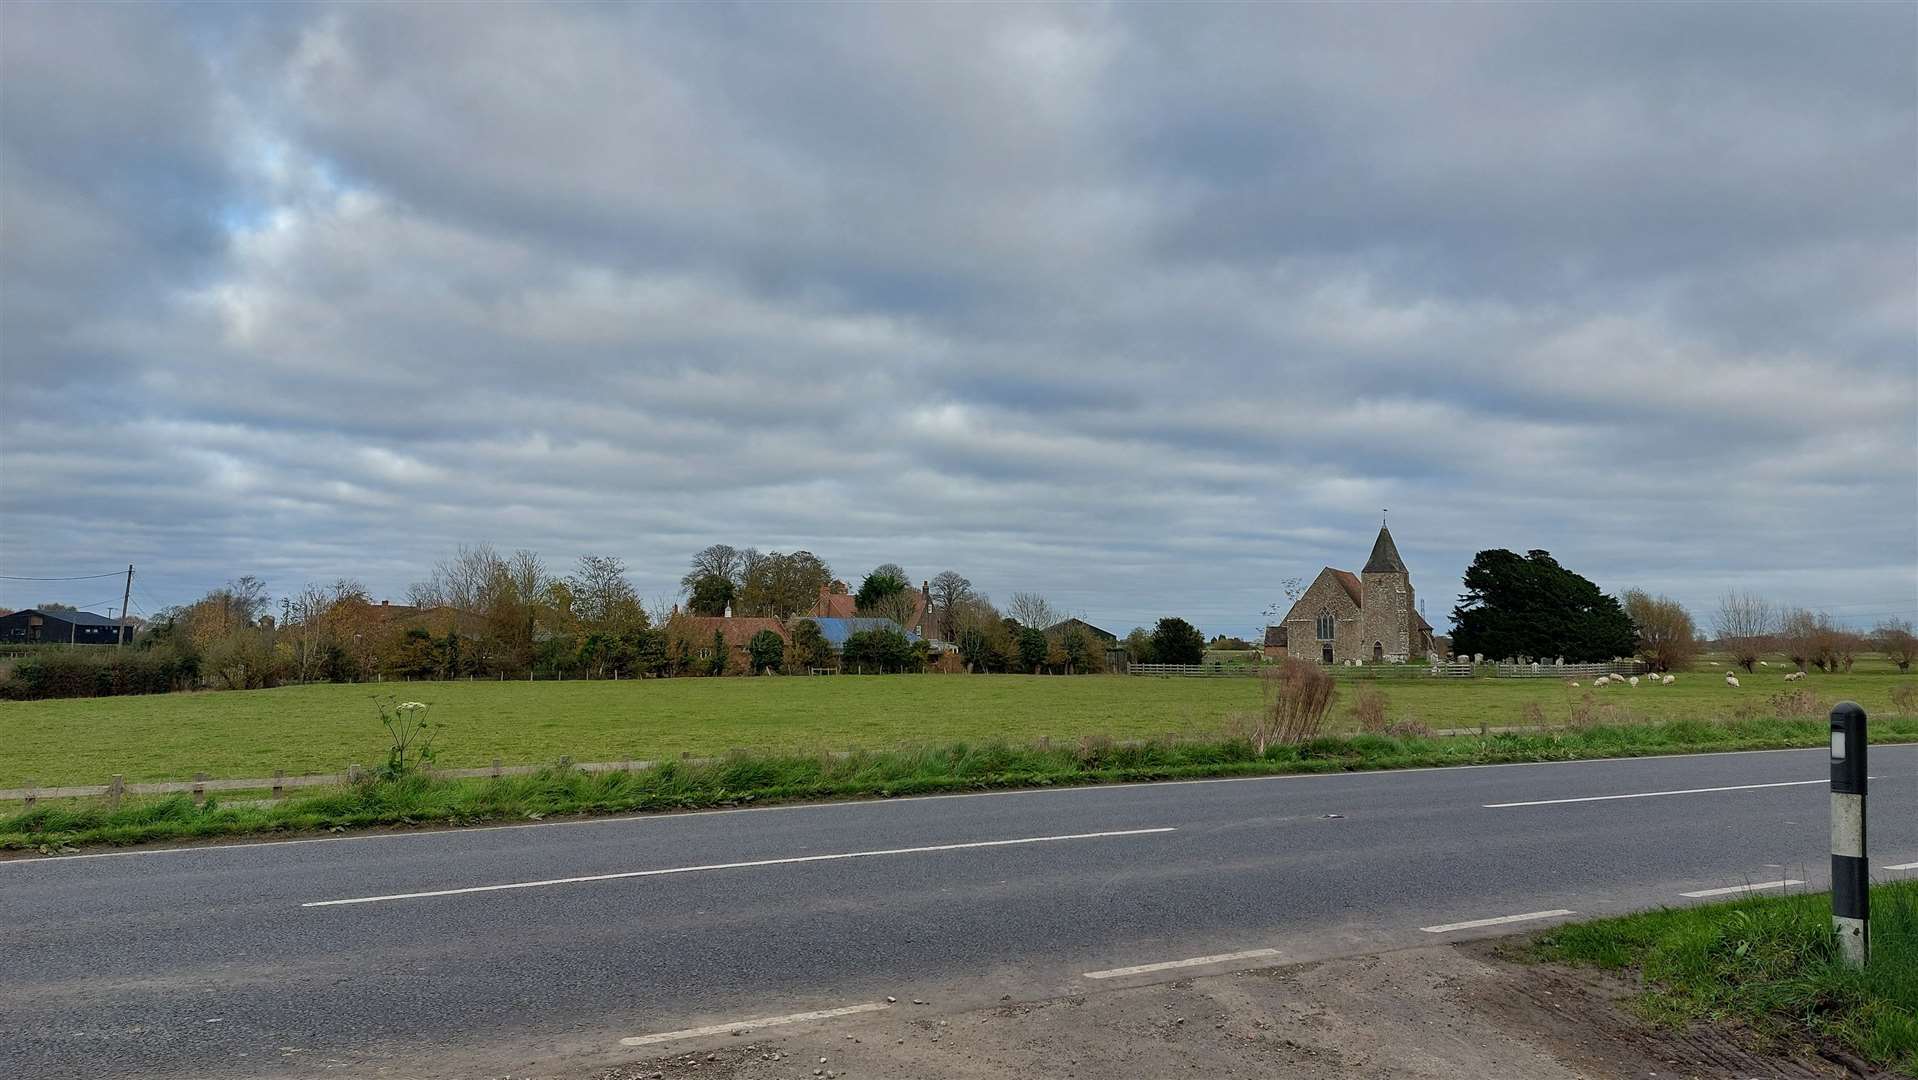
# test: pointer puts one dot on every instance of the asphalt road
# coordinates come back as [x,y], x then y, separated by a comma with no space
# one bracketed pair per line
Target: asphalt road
[225,960]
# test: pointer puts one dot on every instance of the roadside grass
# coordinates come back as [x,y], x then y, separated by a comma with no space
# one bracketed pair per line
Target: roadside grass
[748,778]
[1770,962]
[324,728]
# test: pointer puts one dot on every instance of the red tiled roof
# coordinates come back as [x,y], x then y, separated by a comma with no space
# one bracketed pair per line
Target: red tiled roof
[1351,582]
[737,631]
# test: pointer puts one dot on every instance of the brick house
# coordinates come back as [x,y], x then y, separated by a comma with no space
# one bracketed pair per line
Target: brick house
[1369,617]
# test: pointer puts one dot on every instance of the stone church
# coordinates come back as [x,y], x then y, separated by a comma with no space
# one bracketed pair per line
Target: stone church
[1370,617]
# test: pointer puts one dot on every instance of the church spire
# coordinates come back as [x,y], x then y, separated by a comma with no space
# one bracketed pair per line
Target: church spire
[1385,556]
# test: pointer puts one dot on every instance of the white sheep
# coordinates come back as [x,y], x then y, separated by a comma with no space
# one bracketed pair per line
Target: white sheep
[1634,681]
[1669,679]
[1731,680]
[1764,663]
[1574,682]
[1713,663]
[1601,680]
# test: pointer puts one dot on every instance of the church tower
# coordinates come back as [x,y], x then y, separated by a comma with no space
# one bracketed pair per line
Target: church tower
[1385,614]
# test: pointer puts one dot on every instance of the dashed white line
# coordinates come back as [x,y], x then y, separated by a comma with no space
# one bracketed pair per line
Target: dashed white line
[1654,794]
[1501,920]
[1755,886]
[1900,866]
[664,871]
[1168,965]
[752,1025]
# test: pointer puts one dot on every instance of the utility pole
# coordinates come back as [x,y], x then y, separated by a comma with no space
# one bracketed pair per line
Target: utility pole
[122,632]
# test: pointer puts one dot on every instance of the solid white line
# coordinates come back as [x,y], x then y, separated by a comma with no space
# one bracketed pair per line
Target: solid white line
[1900,866]
[751,1025]
[1654,794]
[1753,887]
[732,866]
[1069,789]
[1500,921]
[1167,965]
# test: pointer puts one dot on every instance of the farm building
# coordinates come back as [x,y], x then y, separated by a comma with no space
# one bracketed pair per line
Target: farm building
[834,602]
[1368,617]
[1058,628]
[69,627]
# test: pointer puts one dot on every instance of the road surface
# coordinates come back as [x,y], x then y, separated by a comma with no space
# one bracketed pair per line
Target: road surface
[494,951]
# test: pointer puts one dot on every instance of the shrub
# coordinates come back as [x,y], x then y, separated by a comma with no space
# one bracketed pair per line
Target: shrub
[1369,710]
[1298,694]
[98,671]
[1534,714]
[1904,698]
[1795,703]
[1176,641]
[768,651]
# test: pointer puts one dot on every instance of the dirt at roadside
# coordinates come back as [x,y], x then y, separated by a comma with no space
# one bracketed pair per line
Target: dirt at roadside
[1438,1013]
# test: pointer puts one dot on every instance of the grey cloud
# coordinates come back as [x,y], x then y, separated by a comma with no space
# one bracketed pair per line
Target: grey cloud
[1143,307]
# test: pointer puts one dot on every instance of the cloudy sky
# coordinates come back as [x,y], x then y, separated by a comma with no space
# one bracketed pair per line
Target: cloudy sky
[1144,308]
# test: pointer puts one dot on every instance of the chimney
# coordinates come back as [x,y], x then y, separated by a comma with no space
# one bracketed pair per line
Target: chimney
[386,603]
[729,611]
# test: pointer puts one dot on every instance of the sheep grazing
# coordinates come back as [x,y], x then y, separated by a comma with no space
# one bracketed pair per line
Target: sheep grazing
[1668,680]
[1601,680]
[1574,682]
[1634,681]
[1764,663]
[1731,680]
[1713,663]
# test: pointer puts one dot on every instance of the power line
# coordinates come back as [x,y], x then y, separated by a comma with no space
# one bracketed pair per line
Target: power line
[75,577]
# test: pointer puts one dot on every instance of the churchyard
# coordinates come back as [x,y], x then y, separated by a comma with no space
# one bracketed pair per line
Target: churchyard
[325,728]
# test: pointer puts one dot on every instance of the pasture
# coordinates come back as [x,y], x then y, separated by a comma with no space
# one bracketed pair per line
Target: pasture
[323,728]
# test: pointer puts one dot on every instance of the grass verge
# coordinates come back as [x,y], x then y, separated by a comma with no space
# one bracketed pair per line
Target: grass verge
[1770,962]
[749,778]
[325,728]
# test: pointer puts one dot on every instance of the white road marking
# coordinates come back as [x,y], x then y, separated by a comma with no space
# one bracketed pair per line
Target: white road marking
[1168,965]
[733,866]
[753,1025]
[1654,794]
[243,844]
[1900,866]
[1753,887]
[1500,921]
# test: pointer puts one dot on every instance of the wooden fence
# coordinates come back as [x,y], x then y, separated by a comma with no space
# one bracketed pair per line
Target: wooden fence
[1194,671]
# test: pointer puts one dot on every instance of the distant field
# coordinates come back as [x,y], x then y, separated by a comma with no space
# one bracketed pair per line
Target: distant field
[324,728]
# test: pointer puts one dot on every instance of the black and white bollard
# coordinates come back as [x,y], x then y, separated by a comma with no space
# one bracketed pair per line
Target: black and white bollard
[1850,873]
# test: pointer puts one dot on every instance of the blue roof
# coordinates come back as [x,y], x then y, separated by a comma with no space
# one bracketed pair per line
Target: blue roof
[836,631]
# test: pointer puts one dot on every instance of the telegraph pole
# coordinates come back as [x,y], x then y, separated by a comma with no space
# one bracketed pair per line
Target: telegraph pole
[124,631]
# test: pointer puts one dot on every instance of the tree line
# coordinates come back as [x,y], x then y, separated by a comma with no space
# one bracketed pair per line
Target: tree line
[1530,607]
[487,614]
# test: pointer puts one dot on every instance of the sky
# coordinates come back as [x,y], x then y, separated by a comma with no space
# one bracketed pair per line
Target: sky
[1143,308]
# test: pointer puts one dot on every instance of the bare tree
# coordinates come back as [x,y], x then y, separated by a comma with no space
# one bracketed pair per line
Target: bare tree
[1746,625]
[1667,638]
[1293,588]
[1895,639]
[779,585]
[720,559]
[1798,634]
[1032,610]
[950,591]
[602,599]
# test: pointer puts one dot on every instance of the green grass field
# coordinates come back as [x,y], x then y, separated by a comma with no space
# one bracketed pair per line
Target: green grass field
[326,727]
[1770,962]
